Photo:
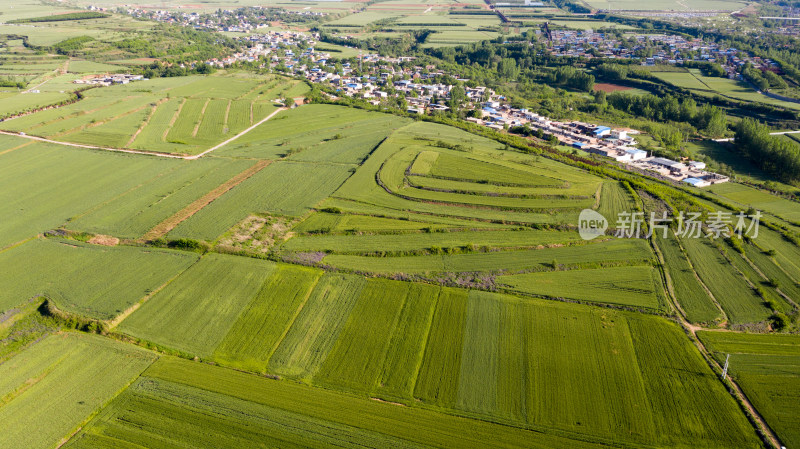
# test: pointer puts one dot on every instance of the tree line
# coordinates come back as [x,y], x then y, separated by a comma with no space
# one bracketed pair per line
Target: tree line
[774,154]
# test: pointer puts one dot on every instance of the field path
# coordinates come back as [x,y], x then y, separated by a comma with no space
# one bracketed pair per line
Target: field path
[94,147]
[198,156]
[170,223]
[144,152]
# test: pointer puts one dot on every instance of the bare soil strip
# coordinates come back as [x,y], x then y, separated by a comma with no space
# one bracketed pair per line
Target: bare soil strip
[15,148]
[225,120]
[200,119]
[198,156]
[99,122]
[146,121]
[170,223]
[173,119]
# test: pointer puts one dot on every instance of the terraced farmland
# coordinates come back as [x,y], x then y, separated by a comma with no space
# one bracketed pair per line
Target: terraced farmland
[447,294]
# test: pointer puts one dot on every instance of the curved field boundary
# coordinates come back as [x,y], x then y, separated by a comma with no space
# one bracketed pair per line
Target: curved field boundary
[170,223]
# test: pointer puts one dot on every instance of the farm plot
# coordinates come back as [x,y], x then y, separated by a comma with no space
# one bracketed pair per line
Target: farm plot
[734,294]
[766,264]
[628,251]
[74,374]
[399,243]
[767,367]
[283,188]
[58,269]
[316,133]
[43,185]
[629,286]
[614,198]
[748,196]
[324,223]
[258,330]
[527,374]
[197,310]
[182,115]
[397,153]
[317,327]
[689,291]
[178,402]
[667,5]
[136,211]
[354,363]
[18,103]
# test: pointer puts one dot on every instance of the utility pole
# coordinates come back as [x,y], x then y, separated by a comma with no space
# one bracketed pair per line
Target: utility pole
[725,369]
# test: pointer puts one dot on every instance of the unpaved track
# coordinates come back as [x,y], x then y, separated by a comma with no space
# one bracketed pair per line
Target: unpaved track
[143,152]
[170,223]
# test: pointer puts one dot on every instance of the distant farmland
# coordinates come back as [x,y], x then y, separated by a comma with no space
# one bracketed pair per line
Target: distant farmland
[172,115]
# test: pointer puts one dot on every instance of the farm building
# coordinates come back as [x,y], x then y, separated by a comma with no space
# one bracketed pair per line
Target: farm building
[673,166]
[697,182]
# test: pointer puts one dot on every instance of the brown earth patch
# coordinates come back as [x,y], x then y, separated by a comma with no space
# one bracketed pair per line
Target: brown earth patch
[104,240]
[170,223]
[608,87]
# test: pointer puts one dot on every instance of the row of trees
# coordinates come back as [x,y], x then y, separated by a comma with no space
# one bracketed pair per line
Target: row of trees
[775,155]
[710,120]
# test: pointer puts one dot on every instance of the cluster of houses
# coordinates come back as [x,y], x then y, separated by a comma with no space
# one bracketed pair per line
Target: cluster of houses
[243,20]
[108,80]
[690,172]
[660,49]
[385,78]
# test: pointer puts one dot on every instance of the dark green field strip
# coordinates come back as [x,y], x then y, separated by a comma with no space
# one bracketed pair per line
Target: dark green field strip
[359,244]
[670,363]
[316,328]
[776,397]
[388,423]
[404,355]
[260,327]
[692,297]
[354,363]
[437,382]
[91,280]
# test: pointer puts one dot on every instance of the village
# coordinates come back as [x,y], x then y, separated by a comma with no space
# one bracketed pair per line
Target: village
[651,49]
[415,88]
